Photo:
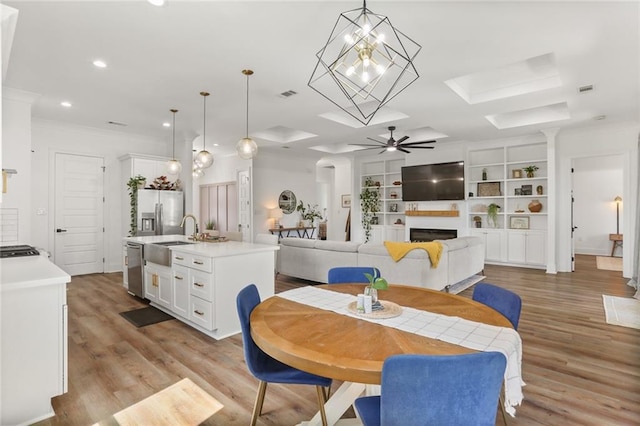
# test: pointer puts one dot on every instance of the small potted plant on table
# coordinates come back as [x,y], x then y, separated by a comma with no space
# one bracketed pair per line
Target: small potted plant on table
[375,283]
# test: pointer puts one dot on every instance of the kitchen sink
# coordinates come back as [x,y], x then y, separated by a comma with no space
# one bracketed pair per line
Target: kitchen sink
[160,253]
[173,243]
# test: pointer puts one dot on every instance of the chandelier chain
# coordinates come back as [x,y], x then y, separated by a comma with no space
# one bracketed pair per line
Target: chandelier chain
[173,156]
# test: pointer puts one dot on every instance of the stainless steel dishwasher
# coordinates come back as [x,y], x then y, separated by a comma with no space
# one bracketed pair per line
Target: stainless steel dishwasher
[135,269]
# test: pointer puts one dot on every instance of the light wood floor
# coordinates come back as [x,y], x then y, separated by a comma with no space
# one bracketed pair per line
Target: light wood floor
[578,369]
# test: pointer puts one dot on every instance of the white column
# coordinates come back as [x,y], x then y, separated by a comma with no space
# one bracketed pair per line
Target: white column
[551,199]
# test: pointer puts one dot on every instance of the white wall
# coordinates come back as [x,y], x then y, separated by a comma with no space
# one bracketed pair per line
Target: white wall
[273,174]
[49,138]
[596,183]
[597,141]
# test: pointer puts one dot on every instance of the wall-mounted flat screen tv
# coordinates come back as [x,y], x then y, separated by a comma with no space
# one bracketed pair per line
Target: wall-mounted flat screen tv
[433,182]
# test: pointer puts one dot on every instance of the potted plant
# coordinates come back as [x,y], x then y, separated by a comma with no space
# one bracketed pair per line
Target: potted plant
[309,213]
[209,225]
[369,199]
[492,214]
[530,170]
[375,283]
[134,184]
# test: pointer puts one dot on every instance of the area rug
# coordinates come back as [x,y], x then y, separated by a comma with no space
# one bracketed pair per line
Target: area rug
[624,311]
[609,263]
[465,284]
[183,403]
[145,316]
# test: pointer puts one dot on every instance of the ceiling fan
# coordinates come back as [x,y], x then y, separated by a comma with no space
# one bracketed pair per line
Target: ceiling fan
[391,144]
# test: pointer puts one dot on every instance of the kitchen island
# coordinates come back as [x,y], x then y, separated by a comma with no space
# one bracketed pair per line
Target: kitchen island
[34,338]
[200,285]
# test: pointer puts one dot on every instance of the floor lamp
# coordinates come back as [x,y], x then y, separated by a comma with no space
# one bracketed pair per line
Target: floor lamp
[618,200]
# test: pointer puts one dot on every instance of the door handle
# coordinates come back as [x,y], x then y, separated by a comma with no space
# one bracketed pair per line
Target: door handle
[61,230]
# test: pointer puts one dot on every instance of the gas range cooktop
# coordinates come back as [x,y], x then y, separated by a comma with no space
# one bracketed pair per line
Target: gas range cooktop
[17,251]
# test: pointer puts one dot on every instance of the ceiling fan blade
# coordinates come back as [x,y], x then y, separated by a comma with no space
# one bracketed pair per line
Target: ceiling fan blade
[363,149]
[383,151]
[403,150]
[375,140]
[364,144]
[417,143]
[417,147]
[402,139]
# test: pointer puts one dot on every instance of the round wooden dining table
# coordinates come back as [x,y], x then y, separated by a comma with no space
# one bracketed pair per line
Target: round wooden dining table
[345,348]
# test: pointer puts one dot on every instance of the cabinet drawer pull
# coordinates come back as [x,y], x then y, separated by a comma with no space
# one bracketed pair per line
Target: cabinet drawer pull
[177,277]
[198,285]
[198,312]
[179,258]
[198,262]
[126,261]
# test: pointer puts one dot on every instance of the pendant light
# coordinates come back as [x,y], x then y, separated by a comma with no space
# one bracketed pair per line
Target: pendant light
[247,147]
[197,171]
[204,157]
[370,60]
[174,166]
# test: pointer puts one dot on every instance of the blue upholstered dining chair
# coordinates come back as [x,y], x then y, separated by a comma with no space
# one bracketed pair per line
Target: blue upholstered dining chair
[264,367]
[351,274]
[443,390]
[502,300]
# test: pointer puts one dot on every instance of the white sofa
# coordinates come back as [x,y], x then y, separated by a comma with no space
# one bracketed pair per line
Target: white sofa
[311,260]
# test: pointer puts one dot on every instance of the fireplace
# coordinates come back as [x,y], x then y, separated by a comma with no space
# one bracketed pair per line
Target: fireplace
[426,234]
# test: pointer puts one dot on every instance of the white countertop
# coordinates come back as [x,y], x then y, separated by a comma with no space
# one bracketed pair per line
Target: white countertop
[209,249]
[30,271]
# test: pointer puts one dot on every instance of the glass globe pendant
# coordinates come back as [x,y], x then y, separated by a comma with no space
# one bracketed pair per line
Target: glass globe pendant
[174,166]
[247,147]
[204,158]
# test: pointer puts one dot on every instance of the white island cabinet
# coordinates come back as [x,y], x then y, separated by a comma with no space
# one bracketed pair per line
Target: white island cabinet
[34,338]
[201,285]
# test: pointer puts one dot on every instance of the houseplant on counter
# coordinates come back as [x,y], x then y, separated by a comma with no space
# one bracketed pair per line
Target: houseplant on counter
[369,200]
[134,184]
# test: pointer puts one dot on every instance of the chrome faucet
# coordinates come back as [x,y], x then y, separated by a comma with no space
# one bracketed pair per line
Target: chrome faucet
[194,237]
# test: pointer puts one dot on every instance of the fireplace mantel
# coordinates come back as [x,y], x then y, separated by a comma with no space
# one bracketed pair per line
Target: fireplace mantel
[439,213]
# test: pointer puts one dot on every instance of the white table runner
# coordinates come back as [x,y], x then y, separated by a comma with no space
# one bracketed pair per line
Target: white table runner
[459,331]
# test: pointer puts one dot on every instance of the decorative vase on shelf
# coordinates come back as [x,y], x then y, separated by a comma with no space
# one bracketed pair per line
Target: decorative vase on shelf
[535,206]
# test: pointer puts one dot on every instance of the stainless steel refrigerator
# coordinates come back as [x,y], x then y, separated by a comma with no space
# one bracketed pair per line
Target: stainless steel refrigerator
[159,212]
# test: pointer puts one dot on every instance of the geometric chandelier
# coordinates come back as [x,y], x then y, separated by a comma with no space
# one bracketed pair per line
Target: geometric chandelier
[365,63]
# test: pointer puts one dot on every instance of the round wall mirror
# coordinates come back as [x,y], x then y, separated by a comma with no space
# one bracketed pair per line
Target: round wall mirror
[287,202]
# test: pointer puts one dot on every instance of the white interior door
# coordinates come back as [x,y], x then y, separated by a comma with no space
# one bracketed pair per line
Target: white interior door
[244,204]
[79,213]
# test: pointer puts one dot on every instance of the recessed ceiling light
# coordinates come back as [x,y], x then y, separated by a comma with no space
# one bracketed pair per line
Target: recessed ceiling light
[215,144]
[99,63]
[156,2]
[66,104]
[166,124]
